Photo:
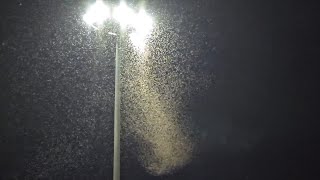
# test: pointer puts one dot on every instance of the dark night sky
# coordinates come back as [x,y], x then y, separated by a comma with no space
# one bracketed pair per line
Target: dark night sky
[256,121]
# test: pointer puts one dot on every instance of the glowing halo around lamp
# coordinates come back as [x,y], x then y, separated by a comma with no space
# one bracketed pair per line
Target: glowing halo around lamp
[124,15]
[141,23]
[97,14]
[143,26]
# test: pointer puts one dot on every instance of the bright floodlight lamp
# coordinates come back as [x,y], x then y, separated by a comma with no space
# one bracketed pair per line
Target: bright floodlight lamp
[124,15]
[97,14]
[142,25]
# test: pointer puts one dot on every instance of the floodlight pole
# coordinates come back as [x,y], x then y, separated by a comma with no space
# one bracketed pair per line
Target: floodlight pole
[97,17]
[117,103]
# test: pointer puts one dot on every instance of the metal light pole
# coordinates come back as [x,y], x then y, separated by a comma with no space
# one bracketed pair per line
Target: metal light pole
[142,25]
[117,103]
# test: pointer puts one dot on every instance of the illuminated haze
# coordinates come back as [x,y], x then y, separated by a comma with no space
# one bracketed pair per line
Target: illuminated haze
[158,85]
[64,72]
